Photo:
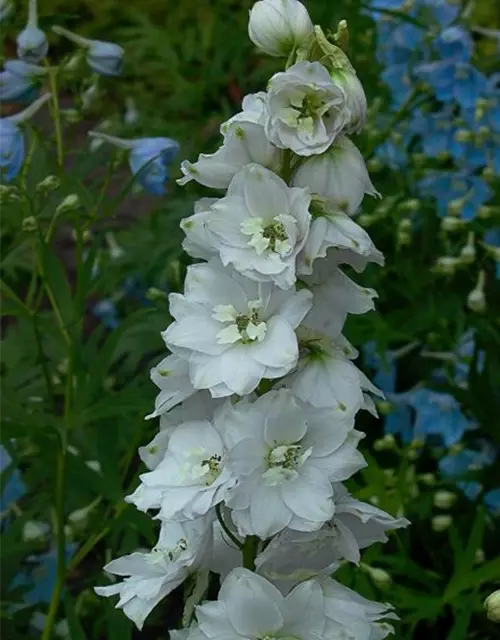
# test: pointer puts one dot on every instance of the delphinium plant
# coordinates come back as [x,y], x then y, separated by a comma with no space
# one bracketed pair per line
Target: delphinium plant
[259,394]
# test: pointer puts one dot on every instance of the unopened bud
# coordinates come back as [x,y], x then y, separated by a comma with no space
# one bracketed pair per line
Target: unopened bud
[50,183]
[384,407]
[419,159]
[476,300]
[450,223]
[468,251]
[34,530]
[80,516]
[8,193]
[446,265]
[492,606]
[374,165]
[428,478]
[71,115]
[405,225]
[94,465]
[479,556]
[365,219]
[441,523]
[488,173]
[386,443]
[380,577]
[463,135]
[444,499]
[485,212]
[153,294]
[115,251]
[455,207]
[411,206]
[29,224]
[69,203]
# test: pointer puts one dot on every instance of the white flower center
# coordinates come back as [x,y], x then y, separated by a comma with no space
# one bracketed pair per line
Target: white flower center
[164,554]
[272,236]
[283,461]
[240,327]
[304,110]
[201,467]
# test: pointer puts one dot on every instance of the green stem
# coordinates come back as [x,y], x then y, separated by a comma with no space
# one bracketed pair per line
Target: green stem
[250,552]
[56,116]
[226,529]
[60,542]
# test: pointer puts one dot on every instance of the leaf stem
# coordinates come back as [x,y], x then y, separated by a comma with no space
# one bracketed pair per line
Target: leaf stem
[250,552]
[226,529]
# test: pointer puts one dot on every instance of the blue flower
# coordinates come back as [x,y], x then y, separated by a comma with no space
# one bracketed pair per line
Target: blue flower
[397,78]
[105,58]
[32,43]
[440,11]
[438,414]
[148,159]
[107,312]
[492,238]
[400,43]
[14,488]
[20,81]
[492,500]
[12,140]
[11,150]
[449,186]
[455,465]
[454,44]
[450,81]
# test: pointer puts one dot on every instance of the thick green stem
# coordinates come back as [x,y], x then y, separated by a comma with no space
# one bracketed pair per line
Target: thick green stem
[56,116]
[250,552]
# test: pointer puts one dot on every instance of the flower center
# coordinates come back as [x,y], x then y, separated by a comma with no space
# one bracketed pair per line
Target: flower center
[283,461]
[164,554]
[268,237]
[202,468]
[243,328]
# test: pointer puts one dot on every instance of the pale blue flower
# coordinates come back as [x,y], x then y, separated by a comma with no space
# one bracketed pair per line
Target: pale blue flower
[20,81]
[492,500]
[454,44]
[148,159]
[449,186]
[438,414]
[450,80]
[107,313]
[105,58]
[32,43]
[12,140]
[13,489]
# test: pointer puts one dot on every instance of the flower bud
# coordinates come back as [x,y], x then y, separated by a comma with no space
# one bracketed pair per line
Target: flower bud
[339,176]
[463,135]
[468,251]
[450,223]
[34,530]
[441,523]
[446,265]
[428,478]
[492,606]
[29,224]
[69,203]
[20,81]
[105,58]
[386,443]
[93,465]
[131,115]
[153,294]
[411,206]
[32,43]
[72,116]
[277,27]
[455,207]
[476,300]
[8,193]
[485,212]
[479,556]
[444,499]
[50,183]
[355,98]
[6,9]
[488,173]
[115,251]
[380,577]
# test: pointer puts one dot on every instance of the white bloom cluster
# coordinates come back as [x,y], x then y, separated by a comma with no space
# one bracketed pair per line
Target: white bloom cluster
[259,394]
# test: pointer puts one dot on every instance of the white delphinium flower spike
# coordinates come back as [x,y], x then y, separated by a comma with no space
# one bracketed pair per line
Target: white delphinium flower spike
[234,332]
[253,110]
[259,227]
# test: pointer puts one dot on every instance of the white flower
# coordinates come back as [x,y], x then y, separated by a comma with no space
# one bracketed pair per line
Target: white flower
[259,227]
[171,375]
[339,176]
[254,110]
[251,608]
[355,98]
[226,556]
[325,375]
[149,577]
[352,617]
[200,406]
[244,143]
[335,230]
[198,240]
[334,296]
[192,477]
[287,456]
[306,109]
[234,331]
[278,26]
[293,556]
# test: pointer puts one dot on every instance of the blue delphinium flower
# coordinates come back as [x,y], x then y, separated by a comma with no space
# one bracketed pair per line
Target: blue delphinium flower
[12,140]
[20,81]
[32,43]
[107,313]
[454,44]
[492,500]
[14,488]
[452,80]
[148,159]
[438,414]
[492,238]
[453,186]
[104,58]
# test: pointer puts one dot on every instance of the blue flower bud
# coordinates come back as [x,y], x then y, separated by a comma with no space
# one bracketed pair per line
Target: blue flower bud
[148,159]
[32,43]
[105,58]
[12,149]
[20,81]
[6,9]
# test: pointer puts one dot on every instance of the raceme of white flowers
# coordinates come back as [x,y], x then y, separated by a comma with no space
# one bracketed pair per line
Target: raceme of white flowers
[258,396]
